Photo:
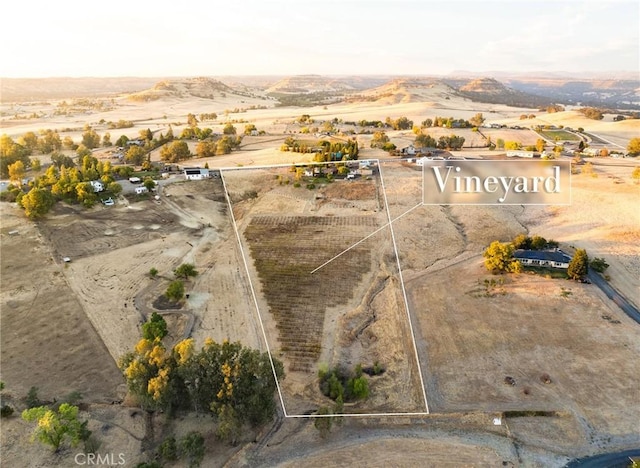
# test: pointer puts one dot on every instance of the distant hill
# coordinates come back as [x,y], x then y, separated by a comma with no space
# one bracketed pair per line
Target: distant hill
[207,88]
[38,89]
[492,91]
[301,84]
[408,90]
[618,94]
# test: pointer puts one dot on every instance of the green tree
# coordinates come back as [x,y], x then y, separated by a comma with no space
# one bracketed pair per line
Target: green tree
[135,155]
[149,183]
[122,141]
[379,139]
[477,120]
[175,151]
[106,140]
[500,143]
[175,291]
[36,164]
[425,141]
[579,265]
[223,146]
[82,151]
[206,149]
[634,146]
[37,202]
[249,128]
[168,449]
[185,271]
[498,258]
[192,445]
[154,327]
[59,160]
[114,187]
[540,144]
[29,140]
[512,145]
[635,175]
[538,243]
[229,129]
[16,173]
[598,264]
[192,121]
[32,399]
[55,427]
[90,138]
[323,424]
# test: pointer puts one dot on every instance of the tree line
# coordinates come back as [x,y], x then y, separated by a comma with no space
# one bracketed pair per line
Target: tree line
[233,383]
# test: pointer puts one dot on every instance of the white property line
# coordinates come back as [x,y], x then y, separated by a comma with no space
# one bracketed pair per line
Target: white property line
[404,291]
[365,238]
[253,293]
[255,300]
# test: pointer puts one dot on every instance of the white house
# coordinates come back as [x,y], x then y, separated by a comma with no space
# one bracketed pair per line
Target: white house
[522,154]
[196,173]
[97,185]
[542,258]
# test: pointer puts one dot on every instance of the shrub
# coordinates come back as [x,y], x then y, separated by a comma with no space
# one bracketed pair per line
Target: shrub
[6,411]
[168,449]
[32,399]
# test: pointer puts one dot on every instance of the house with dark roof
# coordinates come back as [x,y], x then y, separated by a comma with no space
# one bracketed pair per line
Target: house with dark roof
[543,258]
[196,173]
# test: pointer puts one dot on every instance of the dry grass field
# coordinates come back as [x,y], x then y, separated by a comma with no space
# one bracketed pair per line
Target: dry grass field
[570,351]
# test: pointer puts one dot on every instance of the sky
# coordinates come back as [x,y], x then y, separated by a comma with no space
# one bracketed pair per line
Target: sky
[44,38]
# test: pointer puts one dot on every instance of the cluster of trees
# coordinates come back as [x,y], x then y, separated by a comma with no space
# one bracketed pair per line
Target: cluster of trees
[208,116]
[66,183]
[381,140]
[522,241]
[451,142]
[498,257]
[401,123]
[120,124]
[449,122]
[341,386]
[371,123]
[233,383]
[326,150]
[592,113]
[12,151]
[551,109]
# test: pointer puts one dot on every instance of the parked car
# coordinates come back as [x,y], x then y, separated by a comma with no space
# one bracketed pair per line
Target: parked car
[108,202]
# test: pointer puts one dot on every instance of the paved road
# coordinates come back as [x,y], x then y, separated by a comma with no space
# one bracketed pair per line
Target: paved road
[615,296]
[606,460]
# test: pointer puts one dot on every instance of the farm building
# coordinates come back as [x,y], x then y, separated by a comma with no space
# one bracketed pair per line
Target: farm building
[196,173]
[543,258]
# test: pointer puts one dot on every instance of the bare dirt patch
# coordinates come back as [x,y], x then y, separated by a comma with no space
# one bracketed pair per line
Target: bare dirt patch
[47,340]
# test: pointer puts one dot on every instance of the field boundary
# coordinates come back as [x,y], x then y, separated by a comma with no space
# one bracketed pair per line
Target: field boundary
[389,224]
